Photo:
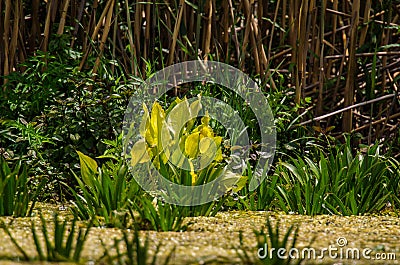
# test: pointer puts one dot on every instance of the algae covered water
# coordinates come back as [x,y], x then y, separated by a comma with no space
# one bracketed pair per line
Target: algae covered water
[215,240]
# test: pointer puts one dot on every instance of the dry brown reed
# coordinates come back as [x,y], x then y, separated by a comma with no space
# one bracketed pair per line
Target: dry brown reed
[334,52]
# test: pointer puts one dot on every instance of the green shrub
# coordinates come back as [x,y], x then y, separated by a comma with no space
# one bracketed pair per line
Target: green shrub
[177,139]
[51,109]
[186,138]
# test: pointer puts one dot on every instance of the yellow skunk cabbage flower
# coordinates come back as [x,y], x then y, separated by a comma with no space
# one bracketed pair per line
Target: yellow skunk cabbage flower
[169,135]
[155,132]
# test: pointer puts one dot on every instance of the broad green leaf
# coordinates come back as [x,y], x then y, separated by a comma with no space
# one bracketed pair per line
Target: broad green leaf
[207,145]
[240,184]
[165,155]
[173,104]
[194,111]
[166,139]
[229,179]
[178,117]
[151,138]
[206,160]
[192,145]
[177,157]
[88,168]
[156,121]
[195,107]
[208,150]
[139,153]
[157,117]
[144,125]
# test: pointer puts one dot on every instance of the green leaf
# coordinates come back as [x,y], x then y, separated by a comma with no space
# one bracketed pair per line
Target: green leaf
[229,179]
[240,184]
[177,158]
[207,146]
[88,168]
[192,145]
[177,118]
[144,125]
[139,153]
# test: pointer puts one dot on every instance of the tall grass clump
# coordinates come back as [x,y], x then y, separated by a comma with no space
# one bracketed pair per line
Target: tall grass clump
[18,193]
[103,192]
[62,242]
[270,240]
[134,251]
[341,182]
[158,215]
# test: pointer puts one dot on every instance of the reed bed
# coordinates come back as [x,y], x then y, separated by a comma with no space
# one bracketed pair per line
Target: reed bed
[341,55]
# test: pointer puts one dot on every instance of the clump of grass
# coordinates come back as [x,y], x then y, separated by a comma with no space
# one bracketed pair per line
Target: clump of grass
[105,192]
[65,246]
[136,252]
[263,197]
[155,214]
[16,196]
[339,183]
[160,216]
[61,249]
[273,239]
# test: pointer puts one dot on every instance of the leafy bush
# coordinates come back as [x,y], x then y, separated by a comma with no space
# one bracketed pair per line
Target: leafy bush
[186,141]
[51,109]
[185,150]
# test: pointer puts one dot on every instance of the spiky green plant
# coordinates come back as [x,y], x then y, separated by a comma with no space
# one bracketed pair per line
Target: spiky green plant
[105,192]
[273,239]
[134,252]
[65,244]
[161,216]
[340,182]
[17,193]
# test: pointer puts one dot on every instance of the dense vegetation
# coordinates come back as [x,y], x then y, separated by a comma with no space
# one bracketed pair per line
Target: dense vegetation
[329,70]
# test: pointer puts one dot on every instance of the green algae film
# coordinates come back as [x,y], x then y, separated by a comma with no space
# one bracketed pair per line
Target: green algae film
[215,240]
